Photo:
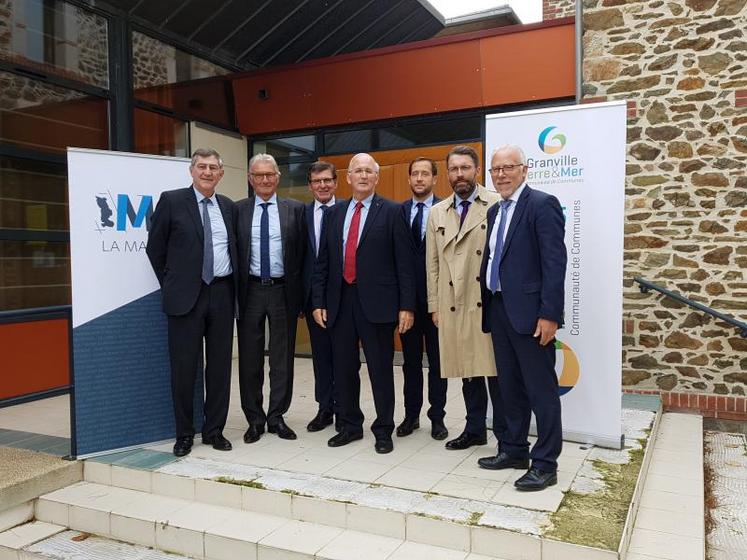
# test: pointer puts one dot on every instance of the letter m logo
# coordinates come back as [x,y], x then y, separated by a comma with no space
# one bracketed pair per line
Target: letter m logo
[125,212]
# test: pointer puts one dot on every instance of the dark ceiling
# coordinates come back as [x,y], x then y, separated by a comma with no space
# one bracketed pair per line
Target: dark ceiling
[247,34]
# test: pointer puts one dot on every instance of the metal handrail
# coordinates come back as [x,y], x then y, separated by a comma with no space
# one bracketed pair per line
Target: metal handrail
[645,286]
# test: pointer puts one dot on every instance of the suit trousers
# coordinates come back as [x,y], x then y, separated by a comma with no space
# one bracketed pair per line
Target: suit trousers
[350,327]
[475,391]
[423,330]
[528,384]
[321,356]
[266,305]
[212,319]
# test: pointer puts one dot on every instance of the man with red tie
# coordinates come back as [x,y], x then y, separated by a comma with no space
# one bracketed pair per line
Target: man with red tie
[363,288]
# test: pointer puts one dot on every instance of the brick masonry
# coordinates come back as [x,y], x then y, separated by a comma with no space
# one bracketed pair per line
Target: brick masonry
[555,9]
[681,67]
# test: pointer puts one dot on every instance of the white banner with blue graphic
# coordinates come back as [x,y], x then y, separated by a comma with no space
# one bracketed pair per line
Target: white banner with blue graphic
[122,394]
[577,153]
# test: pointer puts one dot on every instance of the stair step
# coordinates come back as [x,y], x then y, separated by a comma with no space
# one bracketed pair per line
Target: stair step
[200,530]
[24,535]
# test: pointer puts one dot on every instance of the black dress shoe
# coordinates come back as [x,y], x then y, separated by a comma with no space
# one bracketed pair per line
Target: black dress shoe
[407,426]
[218,442]
[282,430]
[536,479]
[384,445]
[502,461]
[253,433]
[183,446]
[466,440]
[343,438]
[320,421]
[438,430]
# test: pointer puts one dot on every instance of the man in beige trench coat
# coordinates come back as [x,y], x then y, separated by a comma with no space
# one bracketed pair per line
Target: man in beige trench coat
[455,240]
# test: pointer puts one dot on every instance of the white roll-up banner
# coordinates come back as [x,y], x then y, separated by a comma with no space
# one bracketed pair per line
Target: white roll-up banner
[577,153]
[121,375]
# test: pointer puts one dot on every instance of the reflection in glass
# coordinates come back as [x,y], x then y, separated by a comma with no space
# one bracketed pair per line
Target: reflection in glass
[40,116]
[34,274]
[171,78]
[351,141]
[57,38]
[33,195]
[160,135]
[292,146]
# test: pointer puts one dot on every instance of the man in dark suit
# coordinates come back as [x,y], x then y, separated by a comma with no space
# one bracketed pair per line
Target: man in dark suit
[271,236]
[363,288]
[523,274]
[192,248]
[322,180]
[422,177]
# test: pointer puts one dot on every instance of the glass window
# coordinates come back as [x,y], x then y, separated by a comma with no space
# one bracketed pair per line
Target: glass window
[34,274]
[40,116]
[293,182]
[419,134]
[290,147]
[33,195]
[171,78]
[57,38]
[351,141]
[160,135]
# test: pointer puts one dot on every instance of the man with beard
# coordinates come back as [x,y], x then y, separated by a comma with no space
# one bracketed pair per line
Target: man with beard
[455,240]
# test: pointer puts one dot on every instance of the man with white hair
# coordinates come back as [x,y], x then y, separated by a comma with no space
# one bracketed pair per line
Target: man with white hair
[271,236]
[522,280]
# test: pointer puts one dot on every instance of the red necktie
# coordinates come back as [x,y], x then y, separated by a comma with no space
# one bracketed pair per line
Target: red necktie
[351,245]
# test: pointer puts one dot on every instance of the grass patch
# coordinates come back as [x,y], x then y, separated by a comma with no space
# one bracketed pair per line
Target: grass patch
[248,483]
[475,517]
[598,519]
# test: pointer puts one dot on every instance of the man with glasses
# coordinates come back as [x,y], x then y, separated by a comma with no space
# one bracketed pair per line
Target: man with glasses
[363,288]
[455,240]
[322,180]
[422,178]
[523,274]
[192,248]
[271,235]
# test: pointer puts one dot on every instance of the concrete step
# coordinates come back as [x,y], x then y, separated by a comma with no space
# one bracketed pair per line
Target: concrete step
[13,540]
[466,526]
[199,530]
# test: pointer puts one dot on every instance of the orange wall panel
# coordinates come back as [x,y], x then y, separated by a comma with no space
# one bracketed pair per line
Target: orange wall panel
[504,66]
[35,357]
[530,66]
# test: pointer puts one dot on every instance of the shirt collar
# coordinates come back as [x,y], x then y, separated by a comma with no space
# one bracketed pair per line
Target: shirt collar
[366,201]
[318,204]
[200,196]
[458,200]
[273,200]
[517,194]
[427,203]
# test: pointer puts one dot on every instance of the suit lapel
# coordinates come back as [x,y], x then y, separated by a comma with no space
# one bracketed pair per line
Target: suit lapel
[284,214]
[451,227]
[191,203]
[310,225]
[516,218]
[373,210]
[245,229]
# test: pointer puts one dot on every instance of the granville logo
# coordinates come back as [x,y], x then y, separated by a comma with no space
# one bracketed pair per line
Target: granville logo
[128,217]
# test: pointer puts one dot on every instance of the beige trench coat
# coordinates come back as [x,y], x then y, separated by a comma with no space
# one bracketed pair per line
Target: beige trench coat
[453,259]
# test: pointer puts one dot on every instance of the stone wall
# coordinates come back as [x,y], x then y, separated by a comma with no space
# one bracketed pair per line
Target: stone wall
[681,66]
[555,9]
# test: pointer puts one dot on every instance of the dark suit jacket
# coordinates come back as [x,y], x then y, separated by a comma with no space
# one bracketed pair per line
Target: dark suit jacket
[384,263]
[308,267]
[532,267]
[421,278]
[175,243]
[293,233]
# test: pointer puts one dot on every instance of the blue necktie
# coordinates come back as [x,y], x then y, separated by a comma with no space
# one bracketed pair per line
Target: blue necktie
[494,281]
[208,272]
[465,208]
[264,242]
[417,225]
[324,208]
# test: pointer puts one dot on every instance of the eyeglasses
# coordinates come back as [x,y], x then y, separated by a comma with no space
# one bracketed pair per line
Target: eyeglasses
[362,170]
[325,180]
[505,168]
[463,169]
[260,176]
[205,167]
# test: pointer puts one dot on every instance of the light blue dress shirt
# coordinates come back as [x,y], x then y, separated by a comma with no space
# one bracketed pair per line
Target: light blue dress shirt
[276,240]
[349,218]
[493,241]
[427,203]
[458,201]
[221,256]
